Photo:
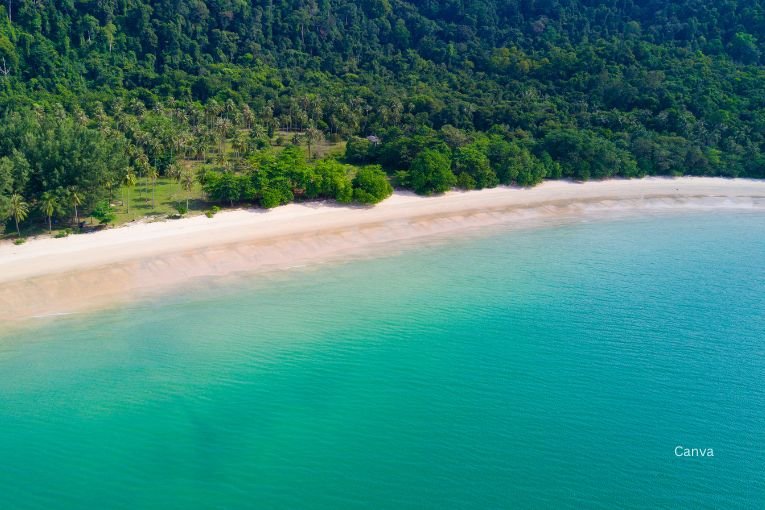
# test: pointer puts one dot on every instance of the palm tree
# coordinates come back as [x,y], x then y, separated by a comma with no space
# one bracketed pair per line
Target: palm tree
[187,182]
[76,199]
[48,207]
[240,143]
[247,116]
[258,131]
[152,174]
[19,210]
[129,180]
[313,136]
[142,164]
[174,172]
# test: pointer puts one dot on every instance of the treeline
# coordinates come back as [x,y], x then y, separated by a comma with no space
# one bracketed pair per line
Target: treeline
[56,166]
[60,166]
[430,161]
[280,178]
[494,91]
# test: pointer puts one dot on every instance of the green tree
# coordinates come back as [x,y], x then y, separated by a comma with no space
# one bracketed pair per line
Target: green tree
[104,213]
[75,198]
[472,161]
[129,180]
[331,180]
[431,173]
[18,210]
[187,182]
[370,185]
[313,137]
[358,151]
[48,206]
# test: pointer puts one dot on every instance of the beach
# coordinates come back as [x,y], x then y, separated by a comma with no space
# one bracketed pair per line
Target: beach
[49,276]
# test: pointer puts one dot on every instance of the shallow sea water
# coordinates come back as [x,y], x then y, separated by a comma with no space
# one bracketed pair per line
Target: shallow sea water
[551,368]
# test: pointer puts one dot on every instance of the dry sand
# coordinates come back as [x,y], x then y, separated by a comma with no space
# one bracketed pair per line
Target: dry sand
[53,276]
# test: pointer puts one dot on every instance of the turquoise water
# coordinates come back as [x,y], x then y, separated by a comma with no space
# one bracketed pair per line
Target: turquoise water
[554,368]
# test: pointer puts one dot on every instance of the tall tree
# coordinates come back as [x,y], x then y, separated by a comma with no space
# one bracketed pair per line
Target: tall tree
[129,180]
[153,175]
[48,205]
[18,210]
[75,198]
[313,137]
[187,182]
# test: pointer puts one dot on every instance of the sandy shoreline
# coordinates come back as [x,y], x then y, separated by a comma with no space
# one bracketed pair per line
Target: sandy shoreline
[86,272]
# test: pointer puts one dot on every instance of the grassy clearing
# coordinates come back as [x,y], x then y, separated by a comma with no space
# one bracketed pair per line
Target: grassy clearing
[155,201]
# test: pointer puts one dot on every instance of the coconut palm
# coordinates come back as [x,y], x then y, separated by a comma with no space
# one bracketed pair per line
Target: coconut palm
[313,136]
[142,165]
[48,206]
[187,182]
[76,199]
[247,116]
[129,181]
[152,174]
[174,172]
[18,210]
[240,143]
[258,131]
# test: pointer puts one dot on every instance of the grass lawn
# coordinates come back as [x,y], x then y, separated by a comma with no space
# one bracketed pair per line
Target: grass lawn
[158,201]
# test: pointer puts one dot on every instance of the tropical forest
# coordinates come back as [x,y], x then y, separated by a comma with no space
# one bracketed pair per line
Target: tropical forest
[114,110]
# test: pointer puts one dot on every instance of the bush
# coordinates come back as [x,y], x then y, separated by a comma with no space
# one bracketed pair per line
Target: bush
[104,213]
[472,161]
[20,240]
[357,150]
[401,179]
[63,233]
[431,173]
[371,186]
[181,208]
[466,181]
[331,180]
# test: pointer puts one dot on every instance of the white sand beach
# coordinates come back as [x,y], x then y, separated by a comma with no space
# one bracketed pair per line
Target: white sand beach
[49,276]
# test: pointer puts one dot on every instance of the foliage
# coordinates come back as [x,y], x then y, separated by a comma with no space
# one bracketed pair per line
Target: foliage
[104,212]
[437,93]
[431,173]
[474,163]
[331,180]
[371,186]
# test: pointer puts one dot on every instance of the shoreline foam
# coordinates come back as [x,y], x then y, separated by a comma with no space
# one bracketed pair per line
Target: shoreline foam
[87,272]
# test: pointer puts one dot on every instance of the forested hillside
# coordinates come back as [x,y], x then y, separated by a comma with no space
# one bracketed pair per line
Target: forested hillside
[98,94]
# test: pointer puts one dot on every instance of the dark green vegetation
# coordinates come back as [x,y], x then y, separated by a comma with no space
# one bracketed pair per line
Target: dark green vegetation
[98,96]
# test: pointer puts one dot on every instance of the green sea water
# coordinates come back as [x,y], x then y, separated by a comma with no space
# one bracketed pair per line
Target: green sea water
[553,368]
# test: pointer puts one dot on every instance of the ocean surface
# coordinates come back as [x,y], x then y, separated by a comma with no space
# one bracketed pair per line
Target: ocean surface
[551,368]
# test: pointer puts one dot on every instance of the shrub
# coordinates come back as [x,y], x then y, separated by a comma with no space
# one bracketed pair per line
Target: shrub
[20,240]
[371,186]
[104,213]
[431,173]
